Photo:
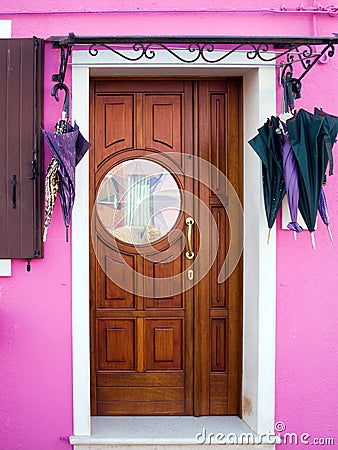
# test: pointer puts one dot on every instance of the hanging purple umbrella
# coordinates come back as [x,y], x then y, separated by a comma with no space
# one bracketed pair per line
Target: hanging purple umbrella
[324,212]
[290,171]
[63,149]
[51,190]
[68,148]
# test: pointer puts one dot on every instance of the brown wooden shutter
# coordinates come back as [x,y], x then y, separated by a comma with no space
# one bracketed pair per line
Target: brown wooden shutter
[21,148]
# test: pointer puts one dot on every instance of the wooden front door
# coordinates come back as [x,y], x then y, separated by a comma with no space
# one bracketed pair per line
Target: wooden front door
[162,344]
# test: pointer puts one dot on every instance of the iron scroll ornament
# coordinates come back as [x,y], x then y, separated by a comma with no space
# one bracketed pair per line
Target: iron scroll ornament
[148,51]
[283,52]
[306,54]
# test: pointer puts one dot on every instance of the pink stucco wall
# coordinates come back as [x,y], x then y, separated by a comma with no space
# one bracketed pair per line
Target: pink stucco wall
[35,308]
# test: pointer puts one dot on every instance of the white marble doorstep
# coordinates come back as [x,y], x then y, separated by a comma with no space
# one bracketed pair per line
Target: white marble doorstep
[168,430]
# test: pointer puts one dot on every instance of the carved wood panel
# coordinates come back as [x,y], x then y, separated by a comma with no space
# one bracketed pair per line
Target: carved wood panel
[163,122]
[116,350]
[112,277]
[164,344]
[218,296]
[164,274]
[218,345]
[115,129]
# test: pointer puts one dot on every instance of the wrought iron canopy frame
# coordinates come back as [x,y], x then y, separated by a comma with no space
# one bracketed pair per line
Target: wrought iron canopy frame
[282,51]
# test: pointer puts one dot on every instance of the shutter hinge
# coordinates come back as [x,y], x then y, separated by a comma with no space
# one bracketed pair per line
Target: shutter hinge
[34,169]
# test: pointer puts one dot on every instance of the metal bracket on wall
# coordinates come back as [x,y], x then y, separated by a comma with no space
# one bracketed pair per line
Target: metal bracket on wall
[283,52]
[65,52]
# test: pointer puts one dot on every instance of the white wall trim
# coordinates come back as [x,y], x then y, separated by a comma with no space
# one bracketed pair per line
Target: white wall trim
[80,265]
[259,272]
[5,29]
[5,267]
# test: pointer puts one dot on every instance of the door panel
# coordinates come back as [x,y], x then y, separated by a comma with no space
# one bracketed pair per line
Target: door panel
[159,348]
[115,117]
[110,294]
[163,122]
[217,123]
[218,298]
[117,344]
[166,267]
[218,345]
[164,338]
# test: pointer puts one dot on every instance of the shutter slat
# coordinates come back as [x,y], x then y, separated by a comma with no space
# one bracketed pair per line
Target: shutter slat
[3,148]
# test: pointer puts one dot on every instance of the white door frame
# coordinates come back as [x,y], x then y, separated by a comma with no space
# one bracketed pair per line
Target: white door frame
[259,265]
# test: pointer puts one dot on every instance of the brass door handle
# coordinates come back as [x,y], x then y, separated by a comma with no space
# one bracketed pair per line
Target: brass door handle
[189,254]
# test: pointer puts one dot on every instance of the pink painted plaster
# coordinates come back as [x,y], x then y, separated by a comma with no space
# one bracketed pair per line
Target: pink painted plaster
[35,308]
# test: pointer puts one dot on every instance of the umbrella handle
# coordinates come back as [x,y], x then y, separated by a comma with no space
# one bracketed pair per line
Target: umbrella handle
[55,93]
[313,242]
[268,239]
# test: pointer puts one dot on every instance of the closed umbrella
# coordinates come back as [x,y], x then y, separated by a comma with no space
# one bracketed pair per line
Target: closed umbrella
[328,134]
[267,145]
[328,138]
[324,212]
[68,148]
[63,148]
[51,191]
[290,171]
[304,131]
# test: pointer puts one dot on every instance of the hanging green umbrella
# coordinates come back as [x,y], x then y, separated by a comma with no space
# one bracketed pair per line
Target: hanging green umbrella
[328,134]
[267,144]
[306,133]
[326,139]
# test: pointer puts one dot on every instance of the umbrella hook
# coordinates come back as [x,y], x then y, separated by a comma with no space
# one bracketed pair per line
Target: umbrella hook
[292,90]
[55,93]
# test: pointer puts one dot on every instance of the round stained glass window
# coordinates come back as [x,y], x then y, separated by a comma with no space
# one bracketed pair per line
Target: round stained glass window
[138,201]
